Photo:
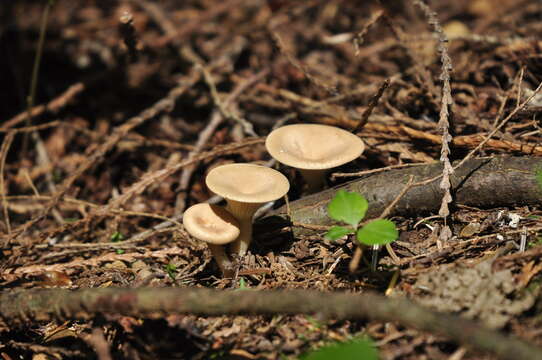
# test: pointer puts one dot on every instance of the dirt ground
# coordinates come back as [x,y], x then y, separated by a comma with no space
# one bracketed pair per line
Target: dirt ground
[126,89]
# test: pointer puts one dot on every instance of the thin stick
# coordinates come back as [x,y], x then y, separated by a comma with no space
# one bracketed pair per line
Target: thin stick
[52,106]
[393,282]
[356,258]
[388,210]
[248,128]
[34,79]
[374,171]
[359,37]
[128,32]
[96,340]
[37,61]
[26,175]
[33,128]
[331,89]
[372,104]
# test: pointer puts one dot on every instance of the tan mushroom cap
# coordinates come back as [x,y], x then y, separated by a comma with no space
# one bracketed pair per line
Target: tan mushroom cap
[247,183]
[211,223]
[313,146]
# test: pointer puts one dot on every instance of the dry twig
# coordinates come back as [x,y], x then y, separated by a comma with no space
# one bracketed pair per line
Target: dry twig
[370,107]
[53,106]
[359,37]
[443,124]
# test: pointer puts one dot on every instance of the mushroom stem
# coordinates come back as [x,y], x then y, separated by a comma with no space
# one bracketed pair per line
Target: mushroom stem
[315,179]
[243,212]
[223,261]
[240,246]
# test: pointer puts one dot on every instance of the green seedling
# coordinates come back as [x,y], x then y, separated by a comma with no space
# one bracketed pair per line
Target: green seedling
[350,208]
[536,242]
[116,237]
[352,350]
[242,284]
[171,269]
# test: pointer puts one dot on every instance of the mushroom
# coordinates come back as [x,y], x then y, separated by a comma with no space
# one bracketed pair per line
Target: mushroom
[216,226]
[246,187]
[313,149]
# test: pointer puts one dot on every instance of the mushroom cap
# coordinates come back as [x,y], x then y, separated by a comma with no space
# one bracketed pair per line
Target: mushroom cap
[247,183]
[313,146]
[211,223]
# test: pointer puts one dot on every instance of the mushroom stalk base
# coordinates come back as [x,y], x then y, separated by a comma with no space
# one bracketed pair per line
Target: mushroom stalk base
[222,259]
[315,179]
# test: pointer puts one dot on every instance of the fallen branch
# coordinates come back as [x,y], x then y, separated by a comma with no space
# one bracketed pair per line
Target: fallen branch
[482,183]
[21,307]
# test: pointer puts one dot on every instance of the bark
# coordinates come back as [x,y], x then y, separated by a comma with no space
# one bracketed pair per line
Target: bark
[482,183]
[23,307]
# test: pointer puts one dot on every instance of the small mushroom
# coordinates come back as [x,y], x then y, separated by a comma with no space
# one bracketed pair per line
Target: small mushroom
[217,227]
[246,187]
[313,149]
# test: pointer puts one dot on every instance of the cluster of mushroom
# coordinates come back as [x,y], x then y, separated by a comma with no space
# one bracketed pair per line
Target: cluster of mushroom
[311,148]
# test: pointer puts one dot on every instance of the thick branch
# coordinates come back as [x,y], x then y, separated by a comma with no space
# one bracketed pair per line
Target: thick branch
[483,183]
[22,306]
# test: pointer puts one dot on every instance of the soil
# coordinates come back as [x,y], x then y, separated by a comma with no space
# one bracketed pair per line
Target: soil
[137,100]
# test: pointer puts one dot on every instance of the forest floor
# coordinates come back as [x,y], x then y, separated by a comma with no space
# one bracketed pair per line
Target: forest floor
[85,204]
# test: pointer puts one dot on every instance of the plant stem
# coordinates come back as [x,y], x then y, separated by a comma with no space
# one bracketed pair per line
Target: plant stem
[37,60]
[374,257]
[222,259]
[30,99]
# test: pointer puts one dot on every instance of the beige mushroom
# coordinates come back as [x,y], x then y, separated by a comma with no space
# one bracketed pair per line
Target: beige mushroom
[313,149]
[217,227]
[246,187]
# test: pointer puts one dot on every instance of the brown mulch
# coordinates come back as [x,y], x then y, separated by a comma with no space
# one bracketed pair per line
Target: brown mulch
[127,120]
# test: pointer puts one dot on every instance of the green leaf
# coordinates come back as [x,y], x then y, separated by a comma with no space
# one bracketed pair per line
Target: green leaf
[353,350]
[171,269]
[242,284]
[337,232]
[378,232]
[117,236]
[348,207]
